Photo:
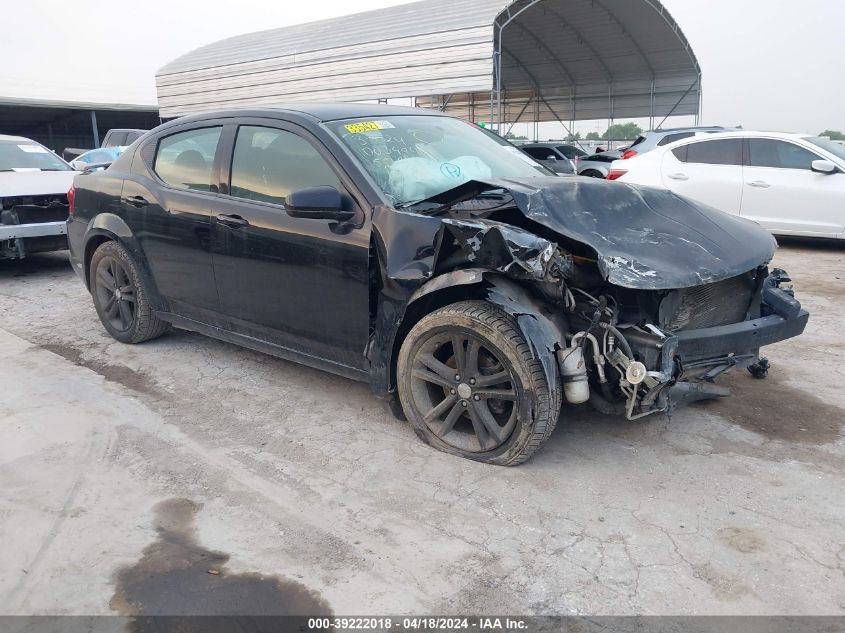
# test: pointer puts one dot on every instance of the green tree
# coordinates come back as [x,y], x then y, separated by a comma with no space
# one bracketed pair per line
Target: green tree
[622,132]
[572,138]
[833,135]
[593,136]
[513,137]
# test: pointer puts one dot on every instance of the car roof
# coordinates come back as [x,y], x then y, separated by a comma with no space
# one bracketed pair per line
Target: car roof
[748,134]
[322,112]
[6,137]
[672,130]
[549,144]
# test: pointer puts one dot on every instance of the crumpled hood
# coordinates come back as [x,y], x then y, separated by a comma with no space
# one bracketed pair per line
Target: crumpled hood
[35,183]
[645,238]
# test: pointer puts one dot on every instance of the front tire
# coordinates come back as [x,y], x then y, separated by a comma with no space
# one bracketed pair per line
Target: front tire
[121,297]
[470,386]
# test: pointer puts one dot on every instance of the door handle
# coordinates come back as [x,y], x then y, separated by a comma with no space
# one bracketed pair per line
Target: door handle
[233,221]
[678,176]
[759,184]
[135,201]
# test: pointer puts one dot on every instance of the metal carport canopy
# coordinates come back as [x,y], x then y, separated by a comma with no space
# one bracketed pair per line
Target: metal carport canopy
[527,60]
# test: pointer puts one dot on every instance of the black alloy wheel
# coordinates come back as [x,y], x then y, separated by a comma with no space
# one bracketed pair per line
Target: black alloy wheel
[470,385]
[121,296]
[115,293]
[466,392]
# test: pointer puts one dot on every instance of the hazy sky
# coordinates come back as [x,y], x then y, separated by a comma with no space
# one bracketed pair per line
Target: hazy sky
[767,64]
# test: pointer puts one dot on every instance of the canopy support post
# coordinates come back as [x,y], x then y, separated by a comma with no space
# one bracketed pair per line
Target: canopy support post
[678,102]
[651,116]
[521,112]
[94,131]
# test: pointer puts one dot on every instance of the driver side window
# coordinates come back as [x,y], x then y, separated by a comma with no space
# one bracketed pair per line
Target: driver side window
[268,164]
[766,152]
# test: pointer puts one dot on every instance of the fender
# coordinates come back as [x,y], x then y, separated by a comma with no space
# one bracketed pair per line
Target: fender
[113,227]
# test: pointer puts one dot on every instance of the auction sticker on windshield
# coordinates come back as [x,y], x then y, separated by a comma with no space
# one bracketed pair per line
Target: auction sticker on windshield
[368,126]
[33,149]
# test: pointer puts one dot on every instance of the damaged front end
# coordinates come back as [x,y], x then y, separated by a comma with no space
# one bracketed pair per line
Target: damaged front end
[32,224]
[634,300]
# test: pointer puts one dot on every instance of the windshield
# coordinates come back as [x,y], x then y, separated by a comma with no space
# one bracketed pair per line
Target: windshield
[413,158]
[26,155]
[829,146]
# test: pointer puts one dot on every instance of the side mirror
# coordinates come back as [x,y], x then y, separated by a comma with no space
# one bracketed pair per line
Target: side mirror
[823,167]
[552,158]
[317,203]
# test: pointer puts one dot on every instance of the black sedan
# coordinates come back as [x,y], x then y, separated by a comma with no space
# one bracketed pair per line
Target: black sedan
[470,287]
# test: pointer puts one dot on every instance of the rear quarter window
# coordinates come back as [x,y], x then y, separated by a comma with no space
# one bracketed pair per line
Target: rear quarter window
[671,138]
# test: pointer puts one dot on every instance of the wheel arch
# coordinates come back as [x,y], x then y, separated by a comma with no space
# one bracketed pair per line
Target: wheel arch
[108,227]
[544,326]
[592,173]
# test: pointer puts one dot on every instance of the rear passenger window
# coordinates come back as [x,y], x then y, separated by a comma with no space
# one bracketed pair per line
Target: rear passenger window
[117,139]
[268,164]
[185,160]
[671,138]
[765,152]
[540,153]
[717,152]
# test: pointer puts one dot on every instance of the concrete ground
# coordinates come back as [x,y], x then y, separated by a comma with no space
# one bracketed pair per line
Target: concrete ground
[188,473]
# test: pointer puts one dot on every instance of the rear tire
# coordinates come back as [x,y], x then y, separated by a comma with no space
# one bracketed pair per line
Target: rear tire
[120,296]
[470,386]
[592,173]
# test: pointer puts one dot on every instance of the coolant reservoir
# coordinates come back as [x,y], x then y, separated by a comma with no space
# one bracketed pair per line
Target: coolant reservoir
[573,372]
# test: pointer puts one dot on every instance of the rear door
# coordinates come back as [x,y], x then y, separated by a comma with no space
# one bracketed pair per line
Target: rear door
[785,196]
[168,202]
[296,282]
[709,171]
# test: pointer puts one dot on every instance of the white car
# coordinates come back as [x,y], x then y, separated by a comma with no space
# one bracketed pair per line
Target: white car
[790,184]
[34,184]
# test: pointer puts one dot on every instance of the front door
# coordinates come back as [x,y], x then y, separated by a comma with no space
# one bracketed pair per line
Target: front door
[299,283]
[785,196]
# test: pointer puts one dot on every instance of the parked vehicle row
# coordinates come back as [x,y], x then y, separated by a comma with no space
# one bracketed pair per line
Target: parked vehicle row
[790,184]
[473,289]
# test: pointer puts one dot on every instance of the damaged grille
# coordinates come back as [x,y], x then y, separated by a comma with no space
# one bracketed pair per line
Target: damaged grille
[33,209]
[710,305]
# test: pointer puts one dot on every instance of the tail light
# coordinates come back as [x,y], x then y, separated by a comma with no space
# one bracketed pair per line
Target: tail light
[615,174]
[71,200]
[629,154]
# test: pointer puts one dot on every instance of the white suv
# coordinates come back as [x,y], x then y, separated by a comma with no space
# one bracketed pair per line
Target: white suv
[790,184]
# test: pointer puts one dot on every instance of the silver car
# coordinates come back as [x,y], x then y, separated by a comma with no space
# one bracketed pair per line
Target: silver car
[559,157]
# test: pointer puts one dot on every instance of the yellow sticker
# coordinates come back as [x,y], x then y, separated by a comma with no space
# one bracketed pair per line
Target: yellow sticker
[368,126]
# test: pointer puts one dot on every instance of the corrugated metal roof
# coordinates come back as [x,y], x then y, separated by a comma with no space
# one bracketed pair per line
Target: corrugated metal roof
[581,59]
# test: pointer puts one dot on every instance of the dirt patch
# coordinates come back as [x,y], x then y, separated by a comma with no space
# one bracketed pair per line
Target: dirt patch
[35,264]
[776,410]
[832,288]
[176,576]
[722,585]
[742,540]
[118,374]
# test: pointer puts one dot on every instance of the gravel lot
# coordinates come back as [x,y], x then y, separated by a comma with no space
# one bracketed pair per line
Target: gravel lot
[128,469]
